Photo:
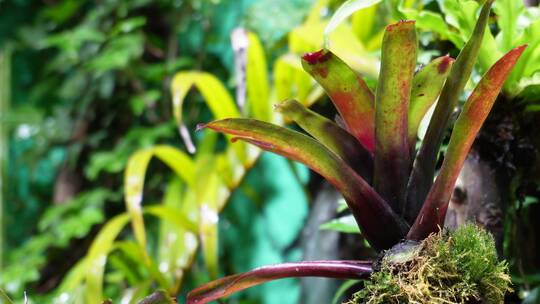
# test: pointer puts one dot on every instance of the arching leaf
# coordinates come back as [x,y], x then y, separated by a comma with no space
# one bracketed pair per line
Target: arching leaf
[332,136]
[380,225]
[231,284]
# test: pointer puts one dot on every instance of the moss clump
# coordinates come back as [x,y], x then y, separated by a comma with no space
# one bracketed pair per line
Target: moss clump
[448,267]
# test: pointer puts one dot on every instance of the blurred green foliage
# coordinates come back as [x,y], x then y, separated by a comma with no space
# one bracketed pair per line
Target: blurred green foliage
[90,87]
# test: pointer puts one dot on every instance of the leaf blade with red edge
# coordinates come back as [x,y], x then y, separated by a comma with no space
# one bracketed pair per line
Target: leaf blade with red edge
[332,136]
[231,284]
[467,126]
[380,225]
[392,154]
[423,169]
[349,93]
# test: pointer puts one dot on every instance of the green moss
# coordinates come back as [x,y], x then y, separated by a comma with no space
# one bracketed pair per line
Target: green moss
[449,267]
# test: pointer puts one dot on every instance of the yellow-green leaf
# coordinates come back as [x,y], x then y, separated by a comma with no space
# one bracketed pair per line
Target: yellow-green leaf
[257,80]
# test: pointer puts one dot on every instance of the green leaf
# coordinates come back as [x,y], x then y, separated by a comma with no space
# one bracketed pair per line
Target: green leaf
[427,85]
[207,192]
[349,93]
[172,215]
[392,154]
[462,14]
[177,245]
[381,226]
[96,258]
[345,224]
[291,81]
[433,22]
[134,180]
[508,12]
[528,64]
[363,23]
[333,137]
[133,187]
[424,165]
[474,113]
[257,80]
[345,10]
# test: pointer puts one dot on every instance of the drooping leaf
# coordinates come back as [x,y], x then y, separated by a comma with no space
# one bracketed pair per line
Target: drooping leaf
[381,226]
[427,85]
[215,95]
[231,284]
[345,10]
[134,180]
[349,93]
[332,136]
[423,170]
[392,159]
[468,124]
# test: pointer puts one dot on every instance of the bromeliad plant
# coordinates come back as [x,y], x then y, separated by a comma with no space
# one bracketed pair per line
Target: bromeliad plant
[372,160]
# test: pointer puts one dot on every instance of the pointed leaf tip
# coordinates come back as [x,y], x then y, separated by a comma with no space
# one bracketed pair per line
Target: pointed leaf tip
[445,64]
[200,126]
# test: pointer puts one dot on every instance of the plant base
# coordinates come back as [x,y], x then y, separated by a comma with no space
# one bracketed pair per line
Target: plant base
[448,267]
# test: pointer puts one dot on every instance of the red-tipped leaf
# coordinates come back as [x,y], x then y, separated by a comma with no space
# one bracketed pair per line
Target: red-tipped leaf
[392,154]
[231,284]
[332,136]
[468,124]
[348,91]
[379,224]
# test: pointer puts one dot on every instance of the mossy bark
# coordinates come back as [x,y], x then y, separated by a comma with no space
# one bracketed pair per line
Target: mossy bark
[448,267]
